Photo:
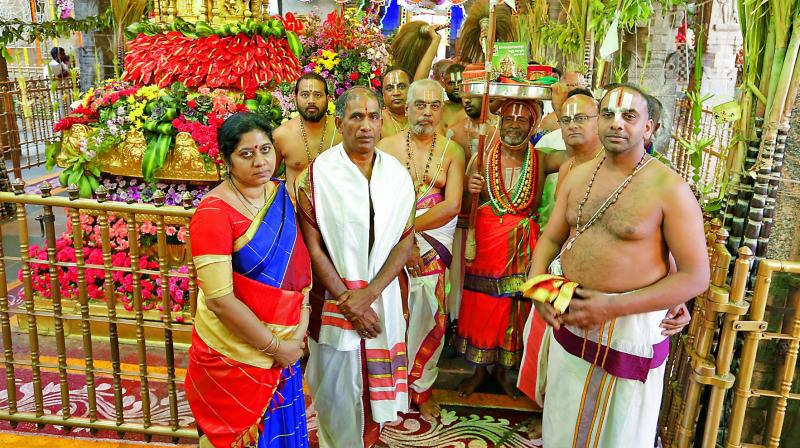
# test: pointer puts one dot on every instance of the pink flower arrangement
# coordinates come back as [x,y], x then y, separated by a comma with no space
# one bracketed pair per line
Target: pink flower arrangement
[150,284]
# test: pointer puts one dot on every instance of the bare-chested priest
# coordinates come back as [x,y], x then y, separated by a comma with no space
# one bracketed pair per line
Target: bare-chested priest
[615,222]
[300,140]
[466,131]
[395,84]
[509,186]
[436,165]
[453,110]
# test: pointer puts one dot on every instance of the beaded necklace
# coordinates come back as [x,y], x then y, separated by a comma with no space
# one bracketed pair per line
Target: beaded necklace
[608,202]
[523,192]
[321,139]
[420,182]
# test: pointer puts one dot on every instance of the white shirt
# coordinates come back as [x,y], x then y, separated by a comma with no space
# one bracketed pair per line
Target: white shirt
[55,69]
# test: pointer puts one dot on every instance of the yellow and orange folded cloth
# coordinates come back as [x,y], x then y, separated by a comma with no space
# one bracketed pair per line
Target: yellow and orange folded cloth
[554,289]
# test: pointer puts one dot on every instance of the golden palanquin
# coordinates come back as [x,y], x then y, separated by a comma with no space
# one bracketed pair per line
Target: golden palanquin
[183,163]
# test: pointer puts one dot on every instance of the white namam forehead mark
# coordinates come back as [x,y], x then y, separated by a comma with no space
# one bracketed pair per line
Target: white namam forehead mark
[571,110]
[516,111]
[394,77]
[430,95]
[307,85]
[619,102]
[455,76]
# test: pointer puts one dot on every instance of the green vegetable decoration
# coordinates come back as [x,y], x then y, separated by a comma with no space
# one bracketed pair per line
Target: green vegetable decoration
[160,130]
[270,28]
[83,173]
[265,106]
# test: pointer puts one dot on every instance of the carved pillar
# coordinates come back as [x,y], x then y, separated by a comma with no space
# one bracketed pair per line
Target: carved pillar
[724,38]
[86,52]
[649,51]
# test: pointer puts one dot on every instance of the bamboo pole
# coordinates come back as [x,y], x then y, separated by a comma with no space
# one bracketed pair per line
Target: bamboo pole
[470,247]
[766,69]
[776,107]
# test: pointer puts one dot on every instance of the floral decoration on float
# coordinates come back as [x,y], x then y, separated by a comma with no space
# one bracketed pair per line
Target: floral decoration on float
[159,121]
[346,48]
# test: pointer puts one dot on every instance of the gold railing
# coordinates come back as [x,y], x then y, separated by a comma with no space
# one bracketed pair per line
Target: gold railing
[712,171]
[719,352]
[23,138]
[63,324]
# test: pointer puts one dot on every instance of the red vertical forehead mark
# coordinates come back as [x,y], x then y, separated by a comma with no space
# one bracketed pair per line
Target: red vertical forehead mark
[620,97]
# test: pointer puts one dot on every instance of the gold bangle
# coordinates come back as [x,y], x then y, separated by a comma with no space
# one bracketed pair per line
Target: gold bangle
[269,350]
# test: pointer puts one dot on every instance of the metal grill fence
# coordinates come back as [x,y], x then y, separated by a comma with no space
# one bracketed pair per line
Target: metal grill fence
[29,108]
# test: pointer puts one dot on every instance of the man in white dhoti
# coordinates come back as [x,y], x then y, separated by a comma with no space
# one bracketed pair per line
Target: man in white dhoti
[436,165]
[606,354]
[357,205]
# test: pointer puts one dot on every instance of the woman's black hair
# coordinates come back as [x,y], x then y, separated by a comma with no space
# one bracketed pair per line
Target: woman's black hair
[230,133]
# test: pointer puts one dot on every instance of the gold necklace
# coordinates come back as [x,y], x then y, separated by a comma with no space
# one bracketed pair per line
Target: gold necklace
[321,139]
[397,127]
[242,198]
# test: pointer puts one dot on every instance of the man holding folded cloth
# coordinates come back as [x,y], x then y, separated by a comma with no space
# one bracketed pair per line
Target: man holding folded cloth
[614,225]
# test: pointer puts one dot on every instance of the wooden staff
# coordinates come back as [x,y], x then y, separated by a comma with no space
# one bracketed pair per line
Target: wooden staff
[469,250]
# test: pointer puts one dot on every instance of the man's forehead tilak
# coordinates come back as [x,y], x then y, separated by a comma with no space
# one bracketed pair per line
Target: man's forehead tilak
[619,102]
[429,95]
[362,103]
[308,85]
[394,77]
[455,76]
[571,109]
[516,110]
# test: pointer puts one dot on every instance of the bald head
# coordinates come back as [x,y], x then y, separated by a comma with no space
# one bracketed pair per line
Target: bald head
[573,80]
[578,122]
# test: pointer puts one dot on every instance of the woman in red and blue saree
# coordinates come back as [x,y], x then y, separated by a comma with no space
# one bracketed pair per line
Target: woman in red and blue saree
[244,383]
